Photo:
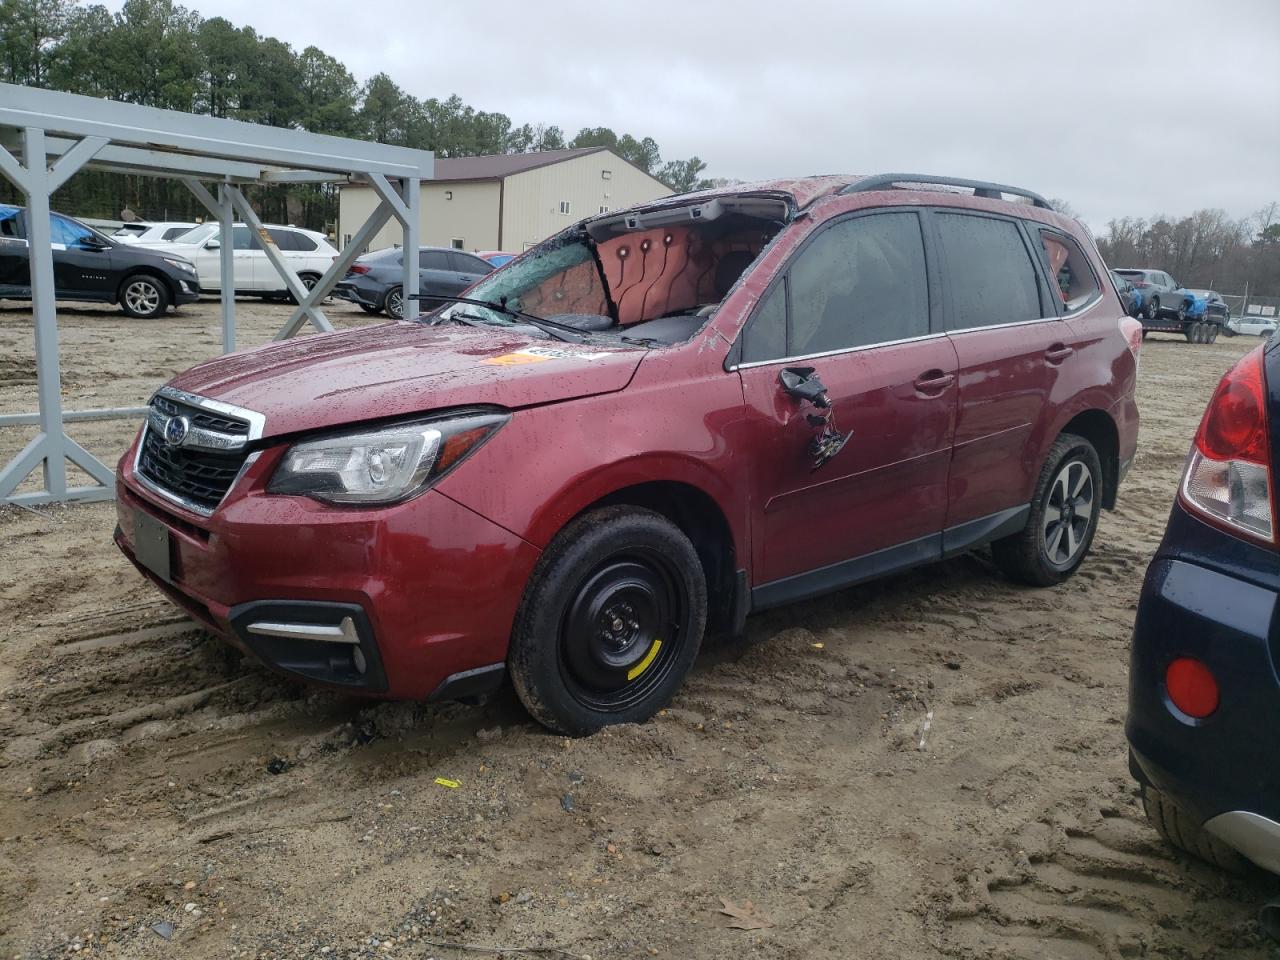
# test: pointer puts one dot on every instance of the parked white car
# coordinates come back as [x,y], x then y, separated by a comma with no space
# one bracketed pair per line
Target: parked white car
[1252,325]
[151,232]
[308,252]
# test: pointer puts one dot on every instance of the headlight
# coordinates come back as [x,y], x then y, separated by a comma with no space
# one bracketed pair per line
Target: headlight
[183,265]
[382,466]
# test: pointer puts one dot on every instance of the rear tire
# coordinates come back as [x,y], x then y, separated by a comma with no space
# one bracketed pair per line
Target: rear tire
[308,280]
[393,303]
[1214,330]
[370,309]
[1063,520]
[143,296]
[610,623]
[1180,831]
[1152,310]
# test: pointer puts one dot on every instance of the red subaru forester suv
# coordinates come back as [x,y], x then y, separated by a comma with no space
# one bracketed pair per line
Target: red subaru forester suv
[645,428]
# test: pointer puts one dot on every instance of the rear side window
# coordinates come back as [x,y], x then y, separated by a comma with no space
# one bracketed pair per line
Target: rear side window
[1077,284]
[242,238]
[465,263]
[433,260]
[302,243]
[991,273]
[860,282]
[175,232]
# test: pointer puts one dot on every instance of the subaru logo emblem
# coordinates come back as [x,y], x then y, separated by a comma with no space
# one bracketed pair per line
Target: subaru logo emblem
[176,430]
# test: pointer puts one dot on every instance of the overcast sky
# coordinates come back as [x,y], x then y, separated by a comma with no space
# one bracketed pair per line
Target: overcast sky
[1122,108]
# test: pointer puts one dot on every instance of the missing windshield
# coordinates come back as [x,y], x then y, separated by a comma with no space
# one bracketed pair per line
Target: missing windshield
[651,276]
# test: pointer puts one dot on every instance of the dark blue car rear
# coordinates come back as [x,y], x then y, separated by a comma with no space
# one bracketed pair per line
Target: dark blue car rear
[1204,687]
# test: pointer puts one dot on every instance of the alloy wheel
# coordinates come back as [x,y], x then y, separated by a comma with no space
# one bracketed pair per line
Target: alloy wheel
[142,296]
[395,304]
[1068,513]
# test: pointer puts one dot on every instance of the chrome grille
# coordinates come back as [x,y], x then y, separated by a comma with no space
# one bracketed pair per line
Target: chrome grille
[198,469]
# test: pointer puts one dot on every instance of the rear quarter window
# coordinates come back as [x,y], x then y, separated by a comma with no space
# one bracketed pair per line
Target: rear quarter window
[303,243]
[1077,284]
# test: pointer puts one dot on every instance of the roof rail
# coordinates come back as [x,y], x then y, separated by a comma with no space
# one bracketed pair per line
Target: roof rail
[980,188]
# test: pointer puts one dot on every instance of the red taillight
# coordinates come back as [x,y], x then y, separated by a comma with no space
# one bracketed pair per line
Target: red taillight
[358,268]
[1131,330]
[1228,475]
[1192,687]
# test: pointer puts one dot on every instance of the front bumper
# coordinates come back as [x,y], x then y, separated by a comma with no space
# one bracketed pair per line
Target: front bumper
[430,586]
[1221,770]
[185,289]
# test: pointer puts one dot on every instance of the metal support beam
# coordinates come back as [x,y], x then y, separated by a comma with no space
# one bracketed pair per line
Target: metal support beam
[338,269]
[73,160]
[227,267]
[287,274]
[221,210]
[390,195]
[51,447]
[411,191]
[75,416]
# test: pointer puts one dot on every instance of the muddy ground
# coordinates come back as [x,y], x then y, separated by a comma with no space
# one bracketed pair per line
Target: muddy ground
[159,797]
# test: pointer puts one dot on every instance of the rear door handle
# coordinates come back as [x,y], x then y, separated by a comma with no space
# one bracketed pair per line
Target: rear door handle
[934,381]
[1058,352]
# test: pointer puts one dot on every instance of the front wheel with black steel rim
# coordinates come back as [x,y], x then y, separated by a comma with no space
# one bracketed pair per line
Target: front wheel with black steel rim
[393,303]
[1064,517]
[610,623]
[143,296]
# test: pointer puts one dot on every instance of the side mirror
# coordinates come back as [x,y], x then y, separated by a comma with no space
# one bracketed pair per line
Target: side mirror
[212,245]
[803,384]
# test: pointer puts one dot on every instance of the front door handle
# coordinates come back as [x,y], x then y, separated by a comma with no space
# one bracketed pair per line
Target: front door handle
[934,381]
[1057,353]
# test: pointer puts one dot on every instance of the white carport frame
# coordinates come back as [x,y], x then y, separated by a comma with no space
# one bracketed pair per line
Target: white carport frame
[76,132]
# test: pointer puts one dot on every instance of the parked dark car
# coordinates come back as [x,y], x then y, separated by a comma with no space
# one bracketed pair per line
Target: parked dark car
[376,280]
[648,426]
[1130,296]
[1203,689]
[90,267]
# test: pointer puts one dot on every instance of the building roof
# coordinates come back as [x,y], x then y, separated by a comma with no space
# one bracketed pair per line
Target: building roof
[499,165]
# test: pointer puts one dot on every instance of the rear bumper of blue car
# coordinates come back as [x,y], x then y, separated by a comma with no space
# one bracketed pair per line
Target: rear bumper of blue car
[1224,770]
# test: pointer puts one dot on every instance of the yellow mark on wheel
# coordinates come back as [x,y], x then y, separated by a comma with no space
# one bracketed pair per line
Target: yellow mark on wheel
[451,784]
[643,665]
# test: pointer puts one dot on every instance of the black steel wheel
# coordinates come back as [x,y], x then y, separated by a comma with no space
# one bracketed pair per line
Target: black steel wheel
[610,623]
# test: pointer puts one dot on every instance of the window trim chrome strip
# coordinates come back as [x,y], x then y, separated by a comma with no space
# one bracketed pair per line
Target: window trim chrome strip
[834,353]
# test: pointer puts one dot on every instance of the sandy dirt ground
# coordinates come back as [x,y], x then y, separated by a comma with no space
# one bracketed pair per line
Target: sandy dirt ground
[160,797]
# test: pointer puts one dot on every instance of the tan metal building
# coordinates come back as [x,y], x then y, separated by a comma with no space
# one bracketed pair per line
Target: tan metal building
[509,201]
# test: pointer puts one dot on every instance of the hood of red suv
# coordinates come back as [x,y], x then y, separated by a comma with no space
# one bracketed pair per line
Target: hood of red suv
[399,369]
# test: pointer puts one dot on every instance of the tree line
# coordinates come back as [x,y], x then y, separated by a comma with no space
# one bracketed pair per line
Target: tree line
[1206,250]
[158,53]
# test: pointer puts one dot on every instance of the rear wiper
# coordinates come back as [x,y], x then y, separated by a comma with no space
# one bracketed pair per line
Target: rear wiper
[561,331]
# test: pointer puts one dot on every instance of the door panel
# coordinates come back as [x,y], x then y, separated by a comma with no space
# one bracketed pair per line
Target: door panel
[887,486]
[854,304]
[1009,360]
[80,267]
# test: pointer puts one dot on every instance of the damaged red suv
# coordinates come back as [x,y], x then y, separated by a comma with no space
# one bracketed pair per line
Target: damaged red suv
[649,426]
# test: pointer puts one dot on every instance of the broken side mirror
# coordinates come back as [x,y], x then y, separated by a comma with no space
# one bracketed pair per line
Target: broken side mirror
[803,384]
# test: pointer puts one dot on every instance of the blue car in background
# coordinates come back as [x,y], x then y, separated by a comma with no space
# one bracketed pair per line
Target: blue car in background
[1208,305]
[1204,693]
[1130,296]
